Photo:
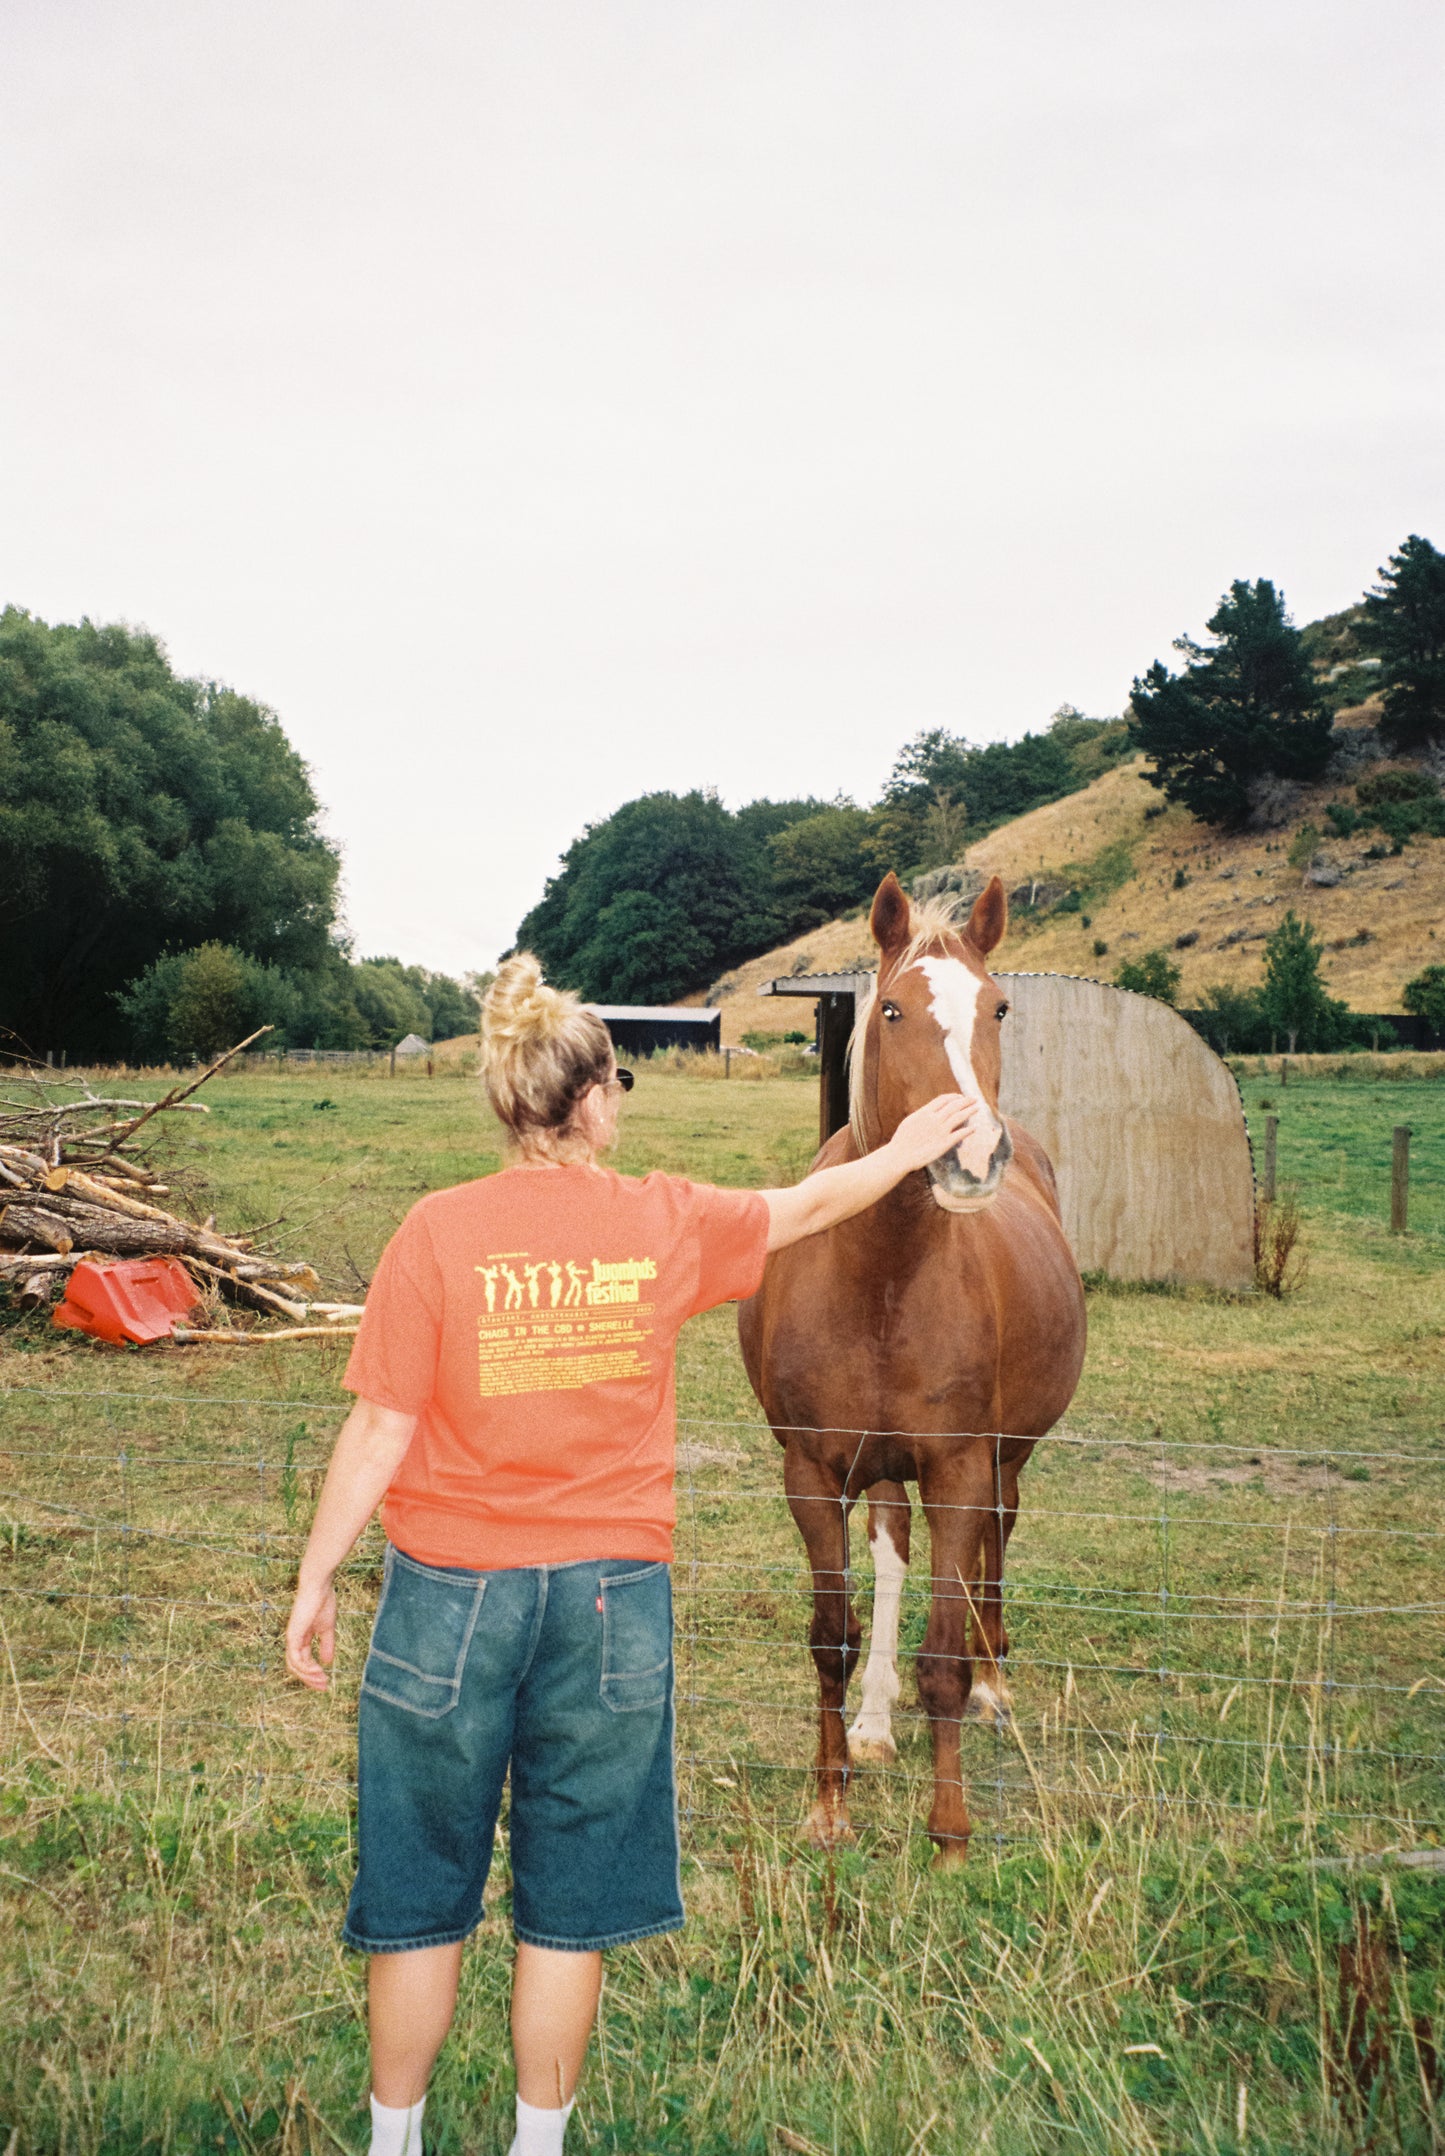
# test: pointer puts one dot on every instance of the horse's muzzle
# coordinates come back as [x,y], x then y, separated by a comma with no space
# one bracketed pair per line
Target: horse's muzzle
[957,1190]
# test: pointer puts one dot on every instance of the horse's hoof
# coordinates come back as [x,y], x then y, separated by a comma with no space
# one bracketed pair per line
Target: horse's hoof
[871,1751]
[987,1706]
[950,1854]
[827,1829]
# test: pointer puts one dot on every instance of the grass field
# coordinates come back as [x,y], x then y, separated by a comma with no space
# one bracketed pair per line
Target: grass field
[1226,1617]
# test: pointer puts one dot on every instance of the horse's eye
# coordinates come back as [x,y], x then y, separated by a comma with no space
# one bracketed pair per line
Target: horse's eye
[891,1011]
[1001,1013]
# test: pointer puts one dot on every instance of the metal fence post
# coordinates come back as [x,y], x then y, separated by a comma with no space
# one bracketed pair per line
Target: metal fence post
[1400,1180]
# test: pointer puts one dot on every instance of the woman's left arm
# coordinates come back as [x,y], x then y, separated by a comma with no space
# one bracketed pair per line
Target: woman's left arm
[370,1449]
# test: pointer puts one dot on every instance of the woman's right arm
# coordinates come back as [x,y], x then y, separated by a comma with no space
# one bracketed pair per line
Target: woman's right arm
[823,1199]
[370,1449]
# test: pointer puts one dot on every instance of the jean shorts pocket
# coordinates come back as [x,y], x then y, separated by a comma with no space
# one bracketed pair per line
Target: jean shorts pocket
[636,1638]
[424,1626]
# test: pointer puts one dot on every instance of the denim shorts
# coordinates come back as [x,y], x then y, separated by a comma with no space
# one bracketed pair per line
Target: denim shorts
[562,1673]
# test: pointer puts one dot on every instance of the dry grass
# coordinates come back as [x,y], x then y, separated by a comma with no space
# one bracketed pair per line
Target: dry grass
[1142,1949]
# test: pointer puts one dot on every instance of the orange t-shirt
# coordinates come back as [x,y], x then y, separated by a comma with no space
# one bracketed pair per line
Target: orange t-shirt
[529,1321]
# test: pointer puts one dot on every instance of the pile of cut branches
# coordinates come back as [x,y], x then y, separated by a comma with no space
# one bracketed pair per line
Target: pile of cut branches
[79,1180]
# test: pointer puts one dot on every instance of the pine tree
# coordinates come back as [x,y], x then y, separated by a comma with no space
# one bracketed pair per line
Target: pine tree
[1243,708]
[1405,626]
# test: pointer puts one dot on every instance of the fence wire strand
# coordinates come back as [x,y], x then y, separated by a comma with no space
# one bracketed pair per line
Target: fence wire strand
[147,1583]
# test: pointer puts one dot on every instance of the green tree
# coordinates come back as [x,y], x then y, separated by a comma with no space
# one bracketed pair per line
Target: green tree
[662,896]
[1232,1019]
[997,782]
[1404,626]
[1152,973]
[197,1003]
[824,864]
[1425,996]
[454,1008]
[139,811]
[1294,999]
[945,824]
[1244,708]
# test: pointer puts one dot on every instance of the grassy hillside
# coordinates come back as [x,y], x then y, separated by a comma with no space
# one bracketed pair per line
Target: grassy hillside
[1382,922]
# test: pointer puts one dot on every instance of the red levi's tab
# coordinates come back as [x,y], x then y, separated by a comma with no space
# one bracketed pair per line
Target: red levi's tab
[529,1322]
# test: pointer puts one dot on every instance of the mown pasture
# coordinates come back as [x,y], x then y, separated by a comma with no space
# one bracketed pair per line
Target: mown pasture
[1226,1621]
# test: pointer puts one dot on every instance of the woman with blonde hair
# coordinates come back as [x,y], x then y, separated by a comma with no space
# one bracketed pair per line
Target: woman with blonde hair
[515,1419]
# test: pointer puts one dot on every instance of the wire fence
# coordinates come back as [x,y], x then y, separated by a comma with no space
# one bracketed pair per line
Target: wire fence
[1204,1631]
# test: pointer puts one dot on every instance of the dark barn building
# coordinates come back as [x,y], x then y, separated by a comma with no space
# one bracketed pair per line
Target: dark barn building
[638,1028]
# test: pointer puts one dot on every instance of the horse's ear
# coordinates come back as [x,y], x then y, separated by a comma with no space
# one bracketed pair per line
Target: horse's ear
[892,916]
[988,919]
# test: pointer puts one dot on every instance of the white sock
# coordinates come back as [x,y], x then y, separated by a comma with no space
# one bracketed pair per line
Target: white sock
[539,2133]
[397,2132]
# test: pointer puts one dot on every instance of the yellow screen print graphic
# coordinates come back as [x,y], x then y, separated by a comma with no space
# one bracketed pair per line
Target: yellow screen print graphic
[537,1332]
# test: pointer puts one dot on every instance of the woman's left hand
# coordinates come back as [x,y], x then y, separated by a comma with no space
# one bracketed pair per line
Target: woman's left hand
[312,1620]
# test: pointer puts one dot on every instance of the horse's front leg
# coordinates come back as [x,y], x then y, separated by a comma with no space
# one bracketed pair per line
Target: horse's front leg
[889,1518]
[989,1699]
[957,1494]
[819,1507]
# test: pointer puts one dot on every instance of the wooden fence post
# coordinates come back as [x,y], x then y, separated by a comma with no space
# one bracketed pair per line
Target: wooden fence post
[1400,1180]
[392,1072]
[1271,1135]
[727,1062]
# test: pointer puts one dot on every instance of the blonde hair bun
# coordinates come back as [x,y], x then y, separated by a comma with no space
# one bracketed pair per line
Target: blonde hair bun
[519,1005]
[541,1048]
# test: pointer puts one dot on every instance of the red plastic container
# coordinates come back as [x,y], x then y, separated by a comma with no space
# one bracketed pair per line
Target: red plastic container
[135,1299]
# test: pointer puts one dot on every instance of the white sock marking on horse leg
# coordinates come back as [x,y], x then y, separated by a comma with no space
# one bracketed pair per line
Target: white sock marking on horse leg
[881,1687]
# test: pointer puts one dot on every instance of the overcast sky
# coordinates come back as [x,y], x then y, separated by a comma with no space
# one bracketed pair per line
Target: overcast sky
[536,404]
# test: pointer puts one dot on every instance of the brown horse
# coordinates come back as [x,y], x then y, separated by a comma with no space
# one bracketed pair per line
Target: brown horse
[932,1339]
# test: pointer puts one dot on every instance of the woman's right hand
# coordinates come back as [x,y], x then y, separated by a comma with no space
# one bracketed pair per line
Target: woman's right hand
[311,1633]
[933,1130]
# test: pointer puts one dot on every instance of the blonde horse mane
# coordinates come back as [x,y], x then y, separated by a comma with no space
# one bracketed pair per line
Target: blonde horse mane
[935,920]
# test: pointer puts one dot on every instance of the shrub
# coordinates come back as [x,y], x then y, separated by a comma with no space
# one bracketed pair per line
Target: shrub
[1280,1263]
[1402,820]
[1425,996]
[1153,973]
[1383,786]
[202,1001]
[1302,846]
[1232,1019]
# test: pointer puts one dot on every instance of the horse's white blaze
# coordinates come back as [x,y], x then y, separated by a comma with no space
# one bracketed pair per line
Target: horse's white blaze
[959,999]
[874,1723]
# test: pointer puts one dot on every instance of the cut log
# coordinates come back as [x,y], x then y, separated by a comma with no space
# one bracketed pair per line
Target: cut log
[81,1185]
[40,1290]
[251,1294]
[132,1171]
[28,1224]
[20,1156]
